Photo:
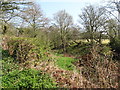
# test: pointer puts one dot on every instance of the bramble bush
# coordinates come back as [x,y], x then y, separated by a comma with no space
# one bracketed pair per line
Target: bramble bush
[23,49]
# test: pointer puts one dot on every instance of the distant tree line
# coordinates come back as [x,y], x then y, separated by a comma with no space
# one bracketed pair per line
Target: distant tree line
[26,19]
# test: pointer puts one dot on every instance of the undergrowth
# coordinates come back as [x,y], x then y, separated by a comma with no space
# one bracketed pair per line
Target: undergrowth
[29,78]
[65,63]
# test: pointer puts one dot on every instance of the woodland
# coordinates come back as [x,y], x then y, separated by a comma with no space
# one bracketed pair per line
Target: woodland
[39,52]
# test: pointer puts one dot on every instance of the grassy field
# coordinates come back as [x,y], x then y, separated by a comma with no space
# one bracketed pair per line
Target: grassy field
[104,41]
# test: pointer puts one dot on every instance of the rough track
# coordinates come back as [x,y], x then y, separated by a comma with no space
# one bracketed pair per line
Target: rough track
[64,78]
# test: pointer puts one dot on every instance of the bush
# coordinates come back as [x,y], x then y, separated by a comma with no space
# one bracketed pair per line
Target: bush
[115,45]
[23,49]
[27,79]
[79,49]
[8,65]
[5,53]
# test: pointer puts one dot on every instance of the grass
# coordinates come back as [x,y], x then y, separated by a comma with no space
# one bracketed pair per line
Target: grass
[65,63]
[104,41]
[59,55]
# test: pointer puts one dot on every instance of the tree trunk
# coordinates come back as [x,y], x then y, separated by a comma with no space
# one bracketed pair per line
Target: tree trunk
[100,38]
[4,29]
[119,25]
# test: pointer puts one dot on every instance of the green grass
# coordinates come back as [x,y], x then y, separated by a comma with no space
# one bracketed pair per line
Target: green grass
[65,63]
[104,41]
[60,55]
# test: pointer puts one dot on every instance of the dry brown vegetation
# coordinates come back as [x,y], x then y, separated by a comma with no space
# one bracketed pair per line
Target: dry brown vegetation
[92,70]
[73,56]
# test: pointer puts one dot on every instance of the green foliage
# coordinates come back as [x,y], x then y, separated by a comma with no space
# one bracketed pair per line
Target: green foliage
[65,63]
[28,32]
[79,49]
[40,49]
[12,76]
[83,48]
[115,44]
[5,53]
[8,65]
[27,79]
[104,49]
[19,49]
[57,54]
[23,49]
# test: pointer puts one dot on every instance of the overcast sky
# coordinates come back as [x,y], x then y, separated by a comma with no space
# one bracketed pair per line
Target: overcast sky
[73,7]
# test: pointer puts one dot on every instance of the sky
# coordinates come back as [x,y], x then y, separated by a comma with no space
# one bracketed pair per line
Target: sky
[73,7]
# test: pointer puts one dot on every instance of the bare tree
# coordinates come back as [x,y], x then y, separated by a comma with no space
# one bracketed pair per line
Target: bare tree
[63,23]
[118,10]
[34,17]
[93,20]
[113,8]
[7,11]
[74,34]
[111,28]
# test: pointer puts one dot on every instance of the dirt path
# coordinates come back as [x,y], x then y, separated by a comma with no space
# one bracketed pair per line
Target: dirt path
[75,79]
[64,78]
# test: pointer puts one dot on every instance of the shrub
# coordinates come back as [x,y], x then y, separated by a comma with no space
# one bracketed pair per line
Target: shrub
[27,79]
[23,49]
[19,49]
[8,65]
[115,45]
[79,49]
